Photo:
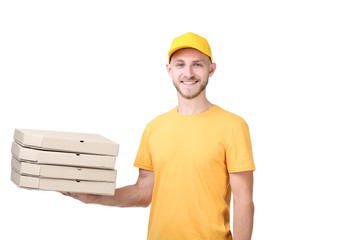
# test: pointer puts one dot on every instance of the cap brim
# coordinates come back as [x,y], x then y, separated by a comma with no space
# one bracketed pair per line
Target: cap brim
[182,47]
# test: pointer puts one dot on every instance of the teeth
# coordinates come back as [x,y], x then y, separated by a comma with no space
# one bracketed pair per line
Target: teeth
[189,83]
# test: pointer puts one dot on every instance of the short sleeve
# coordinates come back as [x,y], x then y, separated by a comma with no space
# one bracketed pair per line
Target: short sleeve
[239,155]
[143,157]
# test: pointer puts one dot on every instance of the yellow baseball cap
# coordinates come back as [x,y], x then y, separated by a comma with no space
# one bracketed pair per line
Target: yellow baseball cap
[190,40]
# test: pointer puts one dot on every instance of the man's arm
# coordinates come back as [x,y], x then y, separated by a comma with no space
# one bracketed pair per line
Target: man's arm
[242,187]
[137,195]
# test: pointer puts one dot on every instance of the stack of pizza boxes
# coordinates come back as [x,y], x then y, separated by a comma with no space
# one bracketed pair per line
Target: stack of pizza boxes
[64,161]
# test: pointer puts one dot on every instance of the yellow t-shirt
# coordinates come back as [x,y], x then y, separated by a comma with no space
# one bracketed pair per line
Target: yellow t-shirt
[191,156]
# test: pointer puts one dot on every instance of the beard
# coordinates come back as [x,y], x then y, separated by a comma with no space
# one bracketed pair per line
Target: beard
[190,93]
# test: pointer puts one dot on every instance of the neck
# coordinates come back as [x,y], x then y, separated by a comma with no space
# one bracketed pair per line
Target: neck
[196,105]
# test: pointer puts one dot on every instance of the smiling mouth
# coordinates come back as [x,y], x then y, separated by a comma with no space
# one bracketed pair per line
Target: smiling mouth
[189,83]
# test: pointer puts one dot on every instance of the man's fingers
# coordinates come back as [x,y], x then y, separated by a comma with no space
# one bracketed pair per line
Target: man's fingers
[73,195]
[83,197]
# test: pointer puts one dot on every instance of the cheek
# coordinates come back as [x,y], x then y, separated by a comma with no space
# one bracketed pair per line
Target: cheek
[176,74]
[201,73]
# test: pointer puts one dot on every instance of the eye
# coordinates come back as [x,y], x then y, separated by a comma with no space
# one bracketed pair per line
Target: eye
[197,65]
[179,65]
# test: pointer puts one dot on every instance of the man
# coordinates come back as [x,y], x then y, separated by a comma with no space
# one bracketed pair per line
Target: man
[191,158]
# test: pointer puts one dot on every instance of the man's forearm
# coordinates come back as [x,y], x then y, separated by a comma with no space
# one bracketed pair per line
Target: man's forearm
[128,196]
[243,220]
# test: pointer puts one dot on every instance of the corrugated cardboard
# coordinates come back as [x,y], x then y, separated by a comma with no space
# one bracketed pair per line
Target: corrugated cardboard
[62,158]
[61,172]
[61,185]
[66,142]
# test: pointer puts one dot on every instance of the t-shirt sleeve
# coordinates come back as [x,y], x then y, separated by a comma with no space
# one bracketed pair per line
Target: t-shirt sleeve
[143,157]
[239,155]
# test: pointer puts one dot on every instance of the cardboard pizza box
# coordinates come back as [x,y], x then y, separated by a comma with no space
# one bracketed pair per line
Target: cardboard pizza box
[62,158]
[66,142]
[62,185]
[61,172]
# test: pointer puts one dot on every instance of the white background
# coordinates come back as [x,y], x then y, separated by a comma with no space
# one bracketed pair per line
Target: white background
[291,69]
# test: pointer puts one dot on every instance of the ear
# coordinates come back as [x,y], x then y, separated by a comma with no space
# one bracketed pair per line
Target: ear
[168,69]
[212,69]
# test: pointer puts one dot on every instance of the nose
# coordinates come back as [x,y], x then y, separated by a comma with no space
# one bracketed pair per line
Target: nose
[188,71]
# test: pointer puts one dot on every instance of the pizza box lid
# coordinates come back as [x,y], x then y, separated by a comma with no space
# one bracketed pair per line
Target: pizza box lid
[62,185]
[62,158]
[66,142]
[62,172]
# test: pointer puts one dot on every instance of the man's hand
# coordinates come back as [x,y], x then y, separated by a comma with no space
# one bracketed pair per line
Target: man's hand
[137,195]
[85,198]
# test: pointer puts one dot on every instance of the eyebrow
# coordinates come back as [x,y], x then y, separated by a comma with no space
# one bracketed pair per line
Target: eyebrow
[195,61]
